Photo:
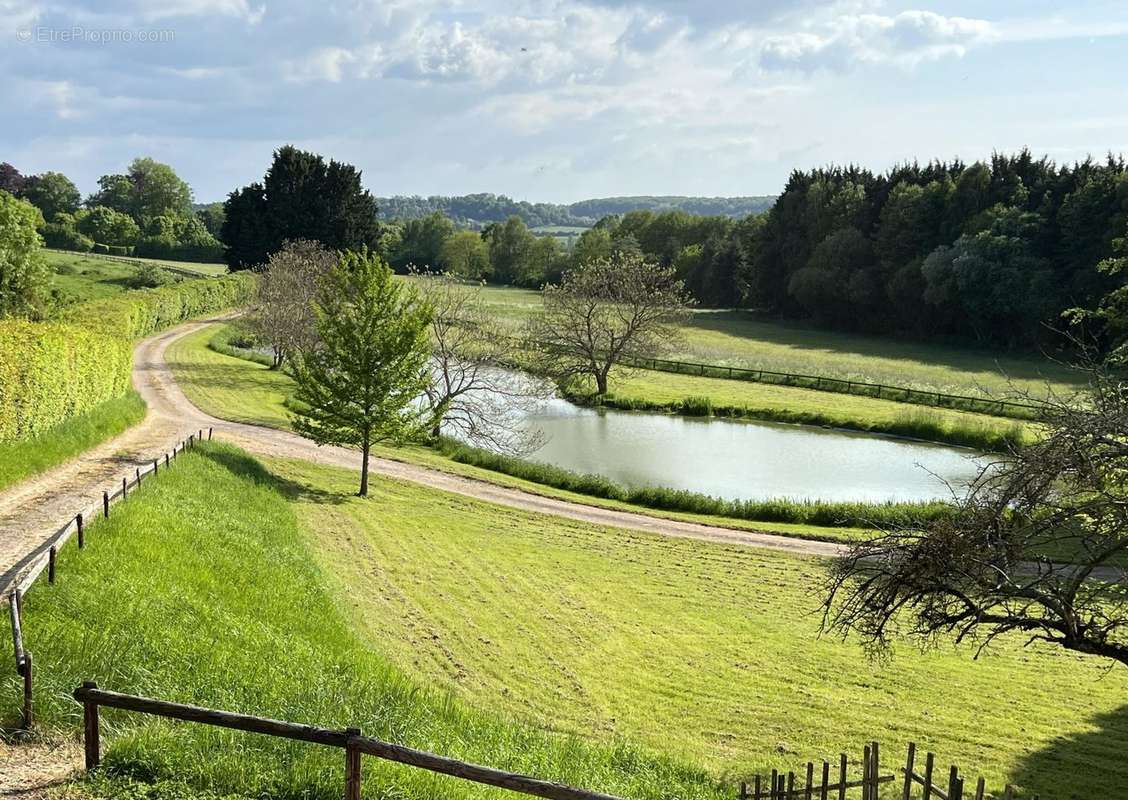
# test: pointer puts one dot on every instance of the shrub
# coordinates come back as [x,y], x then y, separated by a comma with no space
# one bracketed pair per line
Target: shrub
[149,276]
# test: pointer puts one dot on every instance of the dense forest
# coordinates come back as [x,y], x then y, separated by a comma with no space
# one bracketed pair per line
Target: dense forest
[993,252]
[478,210]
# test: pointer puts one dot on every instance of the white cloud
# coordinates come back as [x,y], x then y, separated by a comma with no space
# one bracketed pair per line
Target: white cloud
[907,39]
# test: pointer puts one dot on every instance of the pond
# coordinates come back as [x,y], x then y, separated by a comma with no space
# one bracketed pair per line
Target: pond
[742,460]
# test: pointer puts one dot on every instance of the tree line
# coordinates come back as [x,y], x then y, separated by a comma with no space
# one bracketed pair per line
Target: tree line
[145,211]
[475,211]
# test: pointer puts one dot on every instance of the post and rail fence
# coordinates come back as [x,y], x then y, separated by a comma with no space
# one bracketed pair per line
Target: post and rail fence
[22,575]
[350,740]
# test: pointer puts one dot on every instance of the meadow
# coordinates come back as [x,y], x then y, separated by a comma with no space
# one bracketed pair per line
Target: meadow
[741,339]
[612,659]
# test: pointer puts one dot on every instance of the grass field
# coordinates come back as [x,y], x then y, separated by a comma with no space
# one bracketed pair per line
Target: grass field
[80,277]
[739,339]
[276,591]
[196,267]
[22,459]
[647,388]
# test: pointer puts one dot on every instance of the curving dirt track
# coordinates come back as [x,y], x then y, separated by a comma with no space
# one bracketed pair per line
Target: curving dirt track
[34,509]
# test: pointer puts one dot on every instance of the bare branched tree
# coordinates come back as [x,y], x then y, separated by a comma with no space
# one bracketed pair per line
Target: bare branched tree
[1039,545]
[605,313]
[283,315]
[470,394]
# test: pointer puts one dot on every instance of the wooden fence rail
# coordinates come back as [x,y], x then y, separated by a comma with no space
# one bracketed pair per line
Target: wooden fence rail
[350,740]
[20,577]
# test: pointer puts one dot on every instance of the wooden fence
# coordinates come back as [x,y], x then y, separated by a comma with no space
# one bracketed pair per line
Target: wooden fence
[880,391]
[350,740]
[834,782]
[20,577]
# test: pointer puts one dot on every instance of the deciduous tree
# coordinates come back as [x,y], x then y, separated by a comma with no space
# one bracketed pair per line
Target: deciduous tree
[469,394]
[362,382]
[287,289]
[606,312]
[1036,546]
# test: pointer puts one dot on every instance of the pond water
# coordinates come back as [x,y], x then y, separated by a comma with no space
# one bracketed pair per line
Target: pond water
[741,460]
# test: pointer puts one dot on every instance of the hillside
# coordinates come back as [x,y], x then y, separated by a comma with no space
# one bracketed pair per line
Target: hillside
[476,210]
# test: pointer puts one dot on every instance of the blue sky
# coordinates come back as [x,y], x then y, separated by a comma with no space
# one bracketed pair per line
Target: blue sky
[550,100]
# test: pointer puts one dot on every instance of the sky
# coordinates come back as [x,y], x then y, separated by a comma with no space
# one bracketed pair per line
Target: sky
[555,101]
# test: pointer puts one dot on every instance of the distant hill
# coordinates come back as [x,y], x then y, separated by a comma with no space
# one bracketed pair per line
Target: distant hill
[476,210]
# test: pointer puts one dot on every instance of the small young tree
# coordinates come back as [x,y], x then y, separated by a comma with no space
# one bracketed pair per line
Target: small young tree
[1036,547]
[468,390]
[287,289]
[605,312]
[362,383]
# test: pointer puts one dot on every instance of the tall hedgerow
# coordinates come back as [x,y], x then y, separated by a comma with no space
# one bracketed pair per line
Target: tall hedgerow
[52,371]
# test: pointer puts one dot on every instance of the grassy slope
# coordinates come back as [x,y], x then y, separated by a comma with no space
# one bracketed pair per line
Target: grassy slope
[707,651]
[19,460]
[311,604]
[235,389]
[738,339]
[215,597]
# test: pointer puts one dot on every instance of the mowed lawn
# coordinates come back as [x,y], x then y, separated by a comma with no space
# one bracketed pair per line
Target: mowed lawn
[709,653]
[739,339]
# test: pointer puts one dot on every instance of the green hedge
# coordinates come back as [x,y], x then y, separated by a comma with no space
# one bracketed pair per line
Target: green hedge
[52,371]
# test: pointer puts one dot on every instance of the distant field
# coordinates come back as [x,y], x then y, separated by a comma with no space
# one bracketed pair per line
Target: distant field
[86,276]
[737,338]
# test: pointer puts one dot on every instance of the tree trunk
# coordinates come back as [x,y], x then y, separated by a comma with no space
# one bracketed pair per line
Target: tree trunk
[601,383]
[365,447]
[436,431]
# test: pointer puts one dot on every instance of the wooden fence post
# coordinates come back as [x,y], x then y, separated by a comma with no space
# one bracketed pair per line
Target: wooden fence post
[775,776]
[79,525]
[743,790]
[825,781]
[875,771]
[928,758]
[139,476]
[209,434]
[352,768]
[980,787]
[166,460]
[51,564]
[810,780]
[155,463]
[866,773]
[90,729]
[106,504]
[28,714]
[124,488]
[907,791]
[842,776]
